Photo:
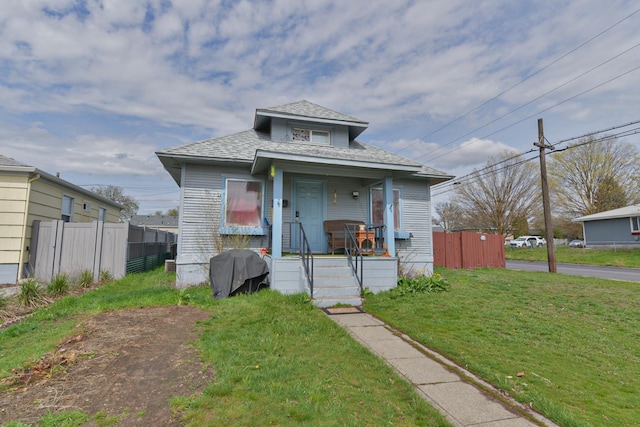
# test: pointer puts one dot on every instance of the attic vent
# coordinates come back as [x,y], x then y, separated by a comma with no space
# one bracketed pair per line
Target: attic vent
[86,206]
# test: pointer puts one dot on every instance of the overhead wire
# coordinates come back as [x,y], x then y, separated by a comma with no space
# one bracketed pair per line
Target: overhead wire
[525,104]
[479,173]
[519,83]
[539,112]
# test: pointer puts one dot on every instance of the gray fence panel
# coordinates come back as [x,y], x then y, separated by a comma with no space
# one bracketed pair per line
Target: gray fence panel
[71,248]
[78,247]
[44,250]
[114,249]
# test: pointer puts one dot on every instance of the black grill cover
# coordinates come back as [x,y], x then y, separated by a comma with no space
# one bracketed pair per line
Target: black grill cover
[237,270]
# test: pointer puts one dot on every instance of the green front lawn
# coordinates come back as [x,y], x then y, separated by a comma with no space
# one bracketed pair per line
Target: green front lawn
[610,257]
[277,359]
[576,339]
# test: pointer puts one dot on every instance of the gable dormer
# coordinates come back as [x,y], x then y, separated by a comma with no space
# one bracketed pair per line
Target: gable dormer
[304,122]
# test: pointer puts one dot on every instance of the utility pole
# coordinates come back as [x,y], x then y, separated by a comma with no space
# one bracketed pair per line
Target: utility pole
[546,204]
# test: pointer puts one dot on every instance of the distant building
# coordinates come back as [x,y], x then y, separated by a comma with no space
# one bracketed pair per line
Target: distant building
[617,227]
[28,194]
[157,222]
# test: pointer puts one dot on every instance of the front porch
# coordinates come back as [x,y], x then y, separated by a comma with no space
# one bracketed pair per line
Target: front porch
[334,281]
[359,260]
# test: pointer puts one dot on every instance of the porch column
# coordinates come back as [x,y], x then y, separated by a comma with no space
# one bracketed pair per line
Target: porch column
[387,202]
[276,227]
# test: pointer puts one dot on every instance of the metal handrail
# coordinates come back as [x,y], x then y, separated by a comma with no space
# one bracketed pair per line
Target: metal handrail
[307,257]
[352,248]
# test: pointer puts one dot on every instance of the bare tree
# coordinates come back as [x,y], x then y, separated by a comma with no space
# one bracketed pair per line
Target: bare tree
[174,212]
[501,195]
[594,176]
[448,215]
[116,194]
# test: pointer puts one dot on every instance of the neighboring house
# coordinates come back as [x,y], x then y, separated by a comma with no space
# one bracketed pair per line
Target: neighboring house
[299,164]
[156,222]
[617,227]
[28,194]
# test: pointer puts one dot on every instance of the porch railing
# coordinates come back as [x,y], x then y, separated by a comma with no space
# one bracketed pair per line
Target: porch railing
[306,255]
[353,251]
[378,237]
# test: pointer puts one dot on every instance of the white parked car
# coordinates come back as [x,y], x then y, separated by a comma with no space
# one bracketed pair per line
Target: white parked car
[528,242]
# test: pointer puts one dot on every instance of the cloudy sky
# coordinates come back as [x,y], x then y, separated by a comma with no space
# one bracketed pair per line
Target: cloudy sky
[93,88]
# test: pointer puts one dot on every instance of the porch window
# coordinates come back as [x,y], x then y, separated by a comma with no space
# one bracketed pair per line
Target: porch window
[377,209]
[243,204]
[635,225]
[310,135]
[67,208]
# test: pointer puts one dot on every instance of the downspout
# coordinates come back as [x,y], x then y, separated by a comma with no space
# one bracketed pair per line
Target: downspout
[23,238]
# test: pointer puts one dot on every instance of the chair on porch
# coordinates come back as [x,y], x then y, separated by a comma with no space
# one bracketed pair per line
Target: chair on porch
[334,229]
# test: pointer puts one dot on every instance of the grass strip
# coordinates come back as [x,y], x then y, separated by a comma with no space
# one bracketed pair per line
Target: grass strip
[576,339]
[281,361]
[277,359]
[629,258]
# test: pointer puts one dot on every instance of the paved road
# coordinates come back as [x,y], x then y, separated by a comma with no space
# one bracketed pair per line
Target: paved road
[617,273]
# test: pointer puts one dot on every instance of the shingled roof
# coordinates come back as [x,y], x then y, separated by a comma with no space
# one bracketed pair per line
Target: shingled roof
[245,146]
[9,162]
[308,109]
[242,146]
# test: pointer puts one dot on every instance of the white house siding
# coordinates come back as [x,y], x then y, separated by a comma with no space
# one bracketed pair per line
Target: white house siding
[416,253]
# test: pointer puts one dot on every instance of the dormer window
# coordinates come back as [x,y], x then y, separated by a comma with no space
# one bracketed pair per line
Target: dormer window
[310,135]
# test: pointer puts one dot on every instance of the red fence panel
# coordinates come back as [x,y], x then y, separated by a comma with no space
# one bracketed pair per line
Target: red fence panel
[466,249]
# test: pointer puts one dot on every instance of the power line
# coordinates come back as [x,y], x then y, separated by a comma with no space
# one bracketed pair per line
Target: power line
[586,135]
[520,82]
[538,113]
[532,100]
[449,185]
[488,170]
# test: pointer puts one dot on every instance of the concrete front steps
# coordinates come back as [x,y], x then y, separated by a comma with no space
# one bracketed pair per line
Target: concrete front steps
[334,283]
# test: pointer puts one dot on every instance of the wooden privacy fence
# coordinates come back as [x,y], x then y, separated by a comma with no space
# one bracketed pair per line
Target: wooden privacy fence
[465,249]
[59,247]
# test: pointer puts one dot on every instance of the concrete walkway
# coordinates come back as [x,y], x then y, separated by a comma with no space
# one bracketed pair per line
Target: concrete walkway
[463,398]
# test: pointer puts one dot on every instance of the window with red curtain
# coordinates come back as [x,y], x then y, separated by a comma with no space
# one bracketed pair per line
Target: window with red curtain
[243,204]
[377,214]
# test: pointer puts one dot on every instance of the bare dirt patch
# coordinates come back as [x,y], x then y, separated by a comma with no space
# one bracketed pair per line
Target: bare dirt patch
[125,364]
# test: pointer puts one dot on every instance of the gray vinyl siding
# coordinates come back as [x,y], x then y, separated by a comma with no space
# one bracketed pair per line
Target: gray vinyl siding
[345,207]
[609,232]
[415,253]
[281,131]
[201,216]
[202,200]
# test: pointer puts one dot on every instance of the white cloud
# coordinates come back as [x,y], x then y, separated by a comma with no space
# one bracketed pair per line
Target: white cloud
[409,68]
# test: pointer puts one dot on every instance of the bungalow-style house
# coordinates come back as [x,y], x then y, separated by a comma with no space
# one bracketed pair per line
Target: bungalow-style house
[617,227]
[28,194]
[290,184]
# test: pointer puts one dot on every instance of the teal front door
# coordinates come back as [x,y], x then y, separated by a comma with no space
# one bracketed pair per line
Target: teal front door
[309,208]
